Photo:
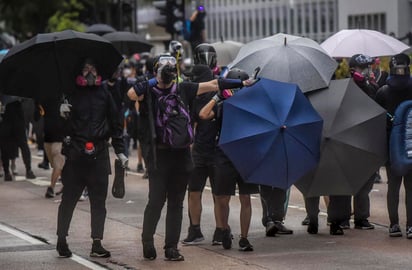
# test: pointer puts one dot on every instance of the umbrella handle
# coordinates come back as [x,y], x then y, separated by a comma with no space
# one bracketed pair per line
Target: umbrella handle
[256,72]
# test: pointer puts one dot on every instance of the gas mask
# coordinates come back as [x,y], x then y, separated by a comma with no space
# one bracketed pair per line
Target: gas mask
[167,73]
[88,80]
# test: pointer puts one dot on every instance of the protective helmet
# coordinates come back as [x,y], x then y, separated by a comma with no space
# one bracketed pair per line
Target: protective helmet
[399,64]
[361,61]
[237,73]
[205,54]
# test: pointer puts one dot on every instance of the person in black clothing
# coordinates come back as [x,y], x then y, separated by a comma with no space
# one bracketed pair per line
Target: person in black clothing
[197,27]
[169,168]
[227,177]
[53,138]
[339,208]
[397,90]
[91,120]
[13,136]
[203,158]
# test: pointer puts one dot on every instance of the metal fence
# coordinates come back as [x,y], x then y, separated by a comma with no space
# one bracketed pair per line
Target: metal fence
[247,20]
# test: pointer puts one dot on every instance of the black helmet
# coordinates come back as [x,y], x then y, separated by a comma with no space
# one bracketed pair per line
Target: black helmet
[361,61]
[237,73]
[205,54]
[399,64]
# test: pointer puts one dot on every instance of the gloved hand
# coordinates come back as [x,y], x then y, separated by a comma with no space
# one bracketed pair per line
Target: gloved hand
[65,109]
[251,81]
[123,159]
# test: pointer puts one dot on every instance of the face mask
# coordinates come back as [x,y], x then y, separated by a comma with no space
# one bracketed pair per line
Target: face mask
[127,72]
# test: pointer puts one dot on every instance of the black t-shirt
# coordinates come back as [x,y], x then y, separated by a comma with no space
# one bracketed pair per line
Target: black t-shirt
[206,130]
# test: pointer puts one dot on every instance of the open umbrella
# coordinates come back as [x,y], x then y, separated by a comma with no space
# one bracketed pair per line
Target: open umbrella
[288,58]
[47,64]
[271,133]
[128,43]
[348,42]
[226,51]
[353,144]
[100,29]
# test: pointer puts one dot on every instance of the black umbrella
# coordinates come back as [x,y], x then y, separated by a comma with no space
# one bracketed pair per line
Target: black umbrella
[47,65]
[354,140]
[100,29]
[128,43]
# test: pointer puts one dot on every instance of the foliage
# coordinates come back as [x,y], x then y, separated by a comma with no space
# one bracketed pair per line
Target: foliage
[67,17]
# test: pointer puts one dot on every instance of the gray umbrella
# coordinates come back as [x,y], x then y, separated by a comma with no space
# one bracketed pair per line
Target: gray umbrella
[100,29]
[288,58]
[353,144]
[226,51]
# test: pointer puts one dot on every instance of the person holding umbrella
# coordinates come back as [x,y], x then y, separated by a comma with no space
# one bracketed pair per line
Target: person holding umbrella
[397,90]
[169,164]
[227,177]
[339,209]
[91,118]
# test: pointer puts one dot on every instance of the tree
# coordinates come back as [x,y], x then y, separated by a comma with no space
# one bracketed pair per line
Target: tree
[67,17]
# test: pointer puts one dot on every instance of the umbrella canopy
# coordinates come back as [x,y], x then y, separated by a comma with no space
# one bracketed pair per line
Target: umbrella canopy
[288,58]
[348,42]
[271,133]
[100,29]
[128,43]
[353,144]
[47,64]
[226,51]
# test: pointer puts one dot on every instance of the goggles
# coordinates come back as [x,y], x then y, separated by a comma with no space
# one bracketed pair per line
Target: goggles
[164,60]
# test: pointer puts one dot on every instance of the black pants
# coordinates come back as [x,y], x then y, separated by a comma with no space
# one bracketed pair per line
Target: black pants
[392,197]
[77,175]
[273,203]
[167,181]
[312,209]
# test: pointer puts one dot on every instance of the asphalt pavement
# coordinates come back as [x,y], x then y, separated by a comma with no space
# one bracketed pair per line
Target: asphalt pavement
[28,238]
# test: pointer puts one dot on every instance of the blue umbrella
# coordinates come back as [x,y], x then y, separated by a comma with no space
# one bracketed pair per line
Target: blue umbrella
[271,133]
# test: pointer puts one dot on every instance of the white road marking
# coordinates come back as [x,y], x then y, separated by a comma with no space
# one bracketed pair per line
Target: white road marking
[34,241]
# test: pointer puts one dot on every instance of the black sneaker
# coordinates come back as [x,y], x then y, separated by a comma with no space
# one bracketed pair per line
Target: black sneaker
[227,239]
[335,229]
[63,249]
[395,231]
[217,237]
[194,236]
[44,165]
[149,251]
[271,229]
[145,175]
[282,229]
[140,168]
[172,254]
[98,250]
[345,225]
[8,177]
[244,245]
[49,193]
[313,228]
[409,232]
[306,221]
[30,174]
[364,225]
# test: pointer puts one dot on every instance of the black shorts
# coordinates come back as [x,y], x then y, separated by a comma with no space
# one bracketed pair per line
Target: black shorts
[204,168]
[226,178]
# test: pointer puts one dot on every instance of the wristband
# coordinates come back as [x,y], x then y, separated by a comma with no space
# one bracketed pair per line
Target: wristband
[216,98]
[229,83]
